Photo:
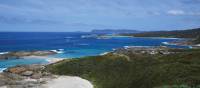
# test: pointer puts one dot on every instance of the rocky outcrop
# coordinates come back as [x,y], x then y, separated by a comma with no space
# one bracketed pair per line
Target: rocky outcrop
[27,76]
[17,70]
[27,73]
[142,50]
[19,54]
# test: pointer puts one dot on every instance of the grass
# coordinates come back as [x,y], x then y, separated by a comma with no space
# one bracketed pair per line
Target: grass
[180,70]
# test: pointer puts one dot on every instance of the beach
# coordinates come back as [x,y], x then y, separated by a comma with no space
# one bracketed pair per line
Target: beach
[67,82]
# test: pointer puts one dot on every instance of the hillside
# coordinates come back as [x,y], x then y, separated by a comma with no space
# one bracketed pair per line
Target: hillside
[191,33]
[113,31]
[180,70]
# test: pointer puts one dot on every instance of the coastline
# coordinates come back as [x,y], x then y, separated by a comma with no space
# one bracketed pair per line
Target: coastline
[37,56]
[129,36]
[160,60]
[34,76]
[52,60]
[54,81]
[158,37]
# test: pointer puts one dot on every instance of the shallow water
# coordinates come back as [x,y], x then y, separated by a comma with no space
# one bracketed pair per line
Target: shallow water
[74,45]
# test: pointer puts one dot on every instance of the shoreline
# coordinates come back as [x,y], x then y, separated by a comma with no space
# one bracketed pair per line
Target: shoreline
[50,80]
[110,36]
[50,60]
[34,76]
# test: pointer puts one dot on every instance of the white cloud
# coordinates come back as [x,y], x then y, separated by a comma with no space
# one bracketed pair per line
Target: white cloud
[176,12]
[181,12]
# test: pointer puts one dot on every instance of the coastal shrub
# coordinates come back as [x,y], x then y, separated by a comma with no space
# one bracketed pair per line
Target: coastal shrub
[191,33]
[197,40]
[180,70]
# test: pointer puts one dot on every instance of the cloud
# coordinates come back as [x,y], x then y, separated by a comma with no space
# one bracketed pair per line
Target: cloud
[176,12]
[98,13]
[19,20]
[181,12]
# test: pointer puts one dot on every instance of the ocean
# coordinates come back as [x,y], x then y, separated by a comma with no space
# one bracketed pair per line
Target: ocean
[73,45]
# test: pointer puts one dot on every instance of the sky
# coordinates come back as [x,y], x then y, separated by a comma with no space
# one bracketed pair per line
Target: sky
[85,15]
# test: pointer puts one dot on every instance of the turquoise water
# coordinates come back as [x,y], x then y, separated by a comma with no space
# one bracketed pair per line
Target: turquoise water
[73,44]
[13,62]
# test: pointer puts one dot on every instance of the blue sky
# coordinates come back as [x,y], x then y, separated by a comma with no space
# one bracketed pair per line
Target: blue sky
[84,15]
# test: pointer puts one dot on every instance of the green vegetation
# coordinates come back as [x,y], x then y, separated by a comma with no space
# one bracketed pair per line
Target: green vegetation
[192,33]
[180,70]
[197,41]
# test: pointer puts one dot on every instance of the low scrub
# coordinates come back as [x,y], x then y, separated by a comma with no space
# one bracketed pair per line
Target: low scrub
[180,70]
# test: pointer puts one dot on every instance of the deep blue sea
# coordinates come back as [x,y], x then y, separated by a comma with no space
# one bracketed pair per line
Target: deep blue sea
[74,44]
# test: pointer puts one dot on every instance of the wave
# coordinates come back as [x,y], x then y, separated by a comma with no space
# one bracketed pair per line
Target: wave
[190,47]
[89,36]
[167,43]
[136,46]
[1,53]
[104,53]
[58,51]
[2,69]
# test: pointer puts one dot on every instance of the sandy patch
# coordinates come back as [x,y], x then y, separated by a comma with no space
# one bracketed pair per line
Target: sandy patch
[68,82]
[48,59]
[198,45]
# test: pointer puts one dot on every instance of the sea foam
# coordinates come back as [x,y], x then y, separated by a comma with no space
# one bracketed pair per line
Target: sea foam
[2,69]
[58,51]
[1,53]
[167,43]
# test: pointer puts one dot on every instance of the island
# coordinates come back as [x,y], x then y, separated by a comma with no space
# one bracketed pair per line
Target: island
[114,31]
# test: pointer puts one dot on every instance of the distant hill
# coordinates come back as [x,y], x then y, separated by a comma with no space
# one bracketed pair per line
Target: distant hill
[191,33]
[114,31]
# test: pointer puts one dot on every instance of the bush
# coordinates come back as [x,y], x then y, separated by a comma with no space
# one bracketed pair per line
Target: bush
[139,71]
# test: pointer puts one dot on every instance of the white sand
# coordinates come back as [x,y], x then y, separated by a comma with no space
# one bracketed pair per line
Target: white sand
[68,82]
[48,59]
[198,45]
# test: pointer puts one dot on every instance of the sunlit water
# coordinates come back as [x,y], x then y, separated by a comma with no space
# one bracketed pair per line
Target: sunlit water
[74,45]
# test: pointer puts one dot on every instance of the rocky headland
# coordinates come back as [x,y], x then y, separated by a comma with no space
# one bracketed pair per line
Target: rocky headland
[35,76]
[18,54]
[26,76]
[133,60]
